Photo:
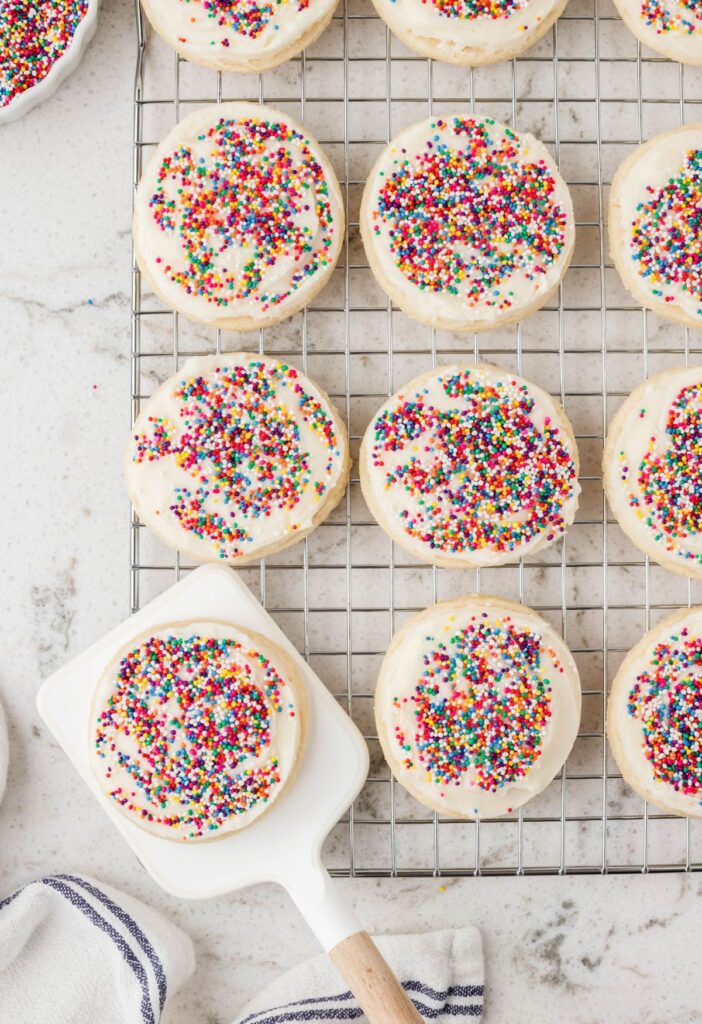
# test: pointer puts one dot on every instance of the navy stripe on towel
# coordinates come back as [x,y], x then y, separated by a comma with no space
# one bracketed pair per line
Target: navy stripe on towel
[129,923]
[311,1010]
[331,1013]
[76,900]
[343,997]
[13,896]
[353,1013]
[453,990]
[464,991]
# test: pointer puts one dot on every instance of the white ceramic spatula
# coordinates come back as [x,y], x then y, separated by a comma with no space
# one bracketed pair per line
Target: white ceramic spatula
[284,845]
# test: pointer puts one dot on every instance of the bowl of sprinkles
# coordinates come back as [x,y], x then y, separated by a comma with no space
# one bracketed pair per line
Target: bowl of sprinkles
[654,721]
[652,469]
[655,224]
[197,729]
[477,706]
[467,224]
[40,44]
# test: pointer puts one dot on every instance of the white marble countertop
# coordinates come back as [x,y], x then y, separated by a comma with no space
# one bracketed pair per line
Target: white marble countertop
[577,949]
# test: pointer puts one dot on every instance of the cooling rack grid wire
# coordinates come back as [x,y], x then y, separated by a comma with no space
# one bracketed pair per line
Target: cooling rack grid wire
[592,95]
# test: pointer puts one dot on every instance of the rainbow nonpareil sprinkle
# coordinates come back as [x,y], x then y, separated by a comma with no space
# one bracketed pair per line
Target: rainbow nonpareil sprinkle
[247,17]
[238,439]
[470,10]
[498,703]
[252,217]
[667,701]
[666,235]
[685,17]
[463,219]
[33,36]
[478,474]
[668,493]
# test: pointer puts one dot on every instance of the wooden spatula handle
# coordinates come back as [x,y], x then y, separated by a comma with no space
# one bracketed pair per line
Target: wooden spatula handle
[379,993]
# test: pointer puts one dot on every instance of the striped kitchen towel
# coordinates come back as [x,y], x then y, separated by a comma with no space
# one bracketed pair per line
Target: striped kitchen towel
[75,951]
[442,971]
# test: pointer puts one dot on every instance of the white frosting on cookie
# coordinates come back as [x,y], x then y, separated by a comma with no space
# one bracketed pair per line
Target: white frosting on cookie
[656,207]
[196,729]
[471,465]
[653,468]
[478,26]
[235,456]
[672,27]
[237,32]
[477,706]
[655,715]
[467,222]
[238,216]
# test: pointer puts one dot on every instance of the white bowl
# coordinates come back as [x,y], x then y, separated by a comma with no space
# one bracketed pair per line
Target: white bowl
[66,63]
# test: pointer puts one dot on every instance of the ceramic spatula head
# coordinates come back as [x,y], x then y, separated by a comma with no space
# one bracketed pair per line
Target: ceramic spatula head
[282,846]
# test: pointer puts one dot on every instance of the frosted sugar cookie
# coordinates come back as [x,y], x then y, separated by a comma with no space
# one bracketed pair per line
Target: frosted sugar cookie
[467,225]
[239,35]
[654,719]
[197,729]
[477,706]
[238,218]
[236,457]
[470,31]
[655,224]
[470,466]
[652,469]
[671,27]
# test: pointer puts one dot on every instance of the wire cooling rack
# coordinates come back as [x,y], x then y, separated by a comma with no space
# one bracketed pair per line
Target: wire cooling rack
[591,94]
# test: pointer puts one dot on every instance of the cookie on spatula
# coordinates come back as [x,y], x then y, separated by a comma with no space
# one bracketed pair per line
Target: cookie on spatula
[655,224]
[197,729]
[477,706]
[652,469]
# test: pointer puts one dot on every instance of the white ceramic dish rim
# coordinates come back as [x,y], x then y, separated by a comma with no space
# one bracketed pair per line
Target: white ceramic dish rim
[62,68]
[284,845]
